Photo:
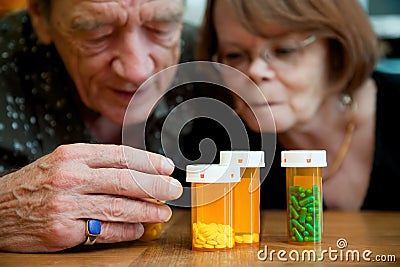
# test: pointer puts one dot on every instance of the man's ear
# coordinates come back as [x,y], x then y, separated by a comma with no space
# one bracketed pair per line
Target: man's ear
[39,21]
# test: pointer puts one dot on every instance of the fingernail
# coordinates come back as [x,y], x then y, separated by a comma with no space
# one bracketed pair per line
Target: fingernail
[139,229]
[175,189]
[164,213]
[168,165]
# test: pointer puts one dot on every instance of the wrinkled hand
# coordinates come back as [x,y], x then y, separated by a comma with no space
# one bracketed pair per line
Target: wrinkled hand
[44,206]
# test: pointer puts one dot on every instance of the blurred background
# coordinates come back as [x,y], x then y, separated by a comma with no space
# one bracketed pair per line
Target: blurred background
[385,17]
[384,14]
[7,6]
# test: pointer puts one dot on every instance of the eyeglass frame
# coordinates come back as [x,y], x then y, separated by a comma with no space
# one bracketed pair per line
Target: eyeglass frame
[306,42]
[264,56]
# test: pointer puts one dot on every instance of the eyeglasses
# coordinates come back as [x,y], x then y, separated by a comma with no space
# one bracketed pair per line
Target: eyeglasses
[280,54]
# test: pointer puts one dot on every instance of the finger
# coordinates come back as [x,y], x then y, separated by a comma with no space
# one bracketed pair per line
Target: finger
[130,183]
[147,162]
[114,156]
[120,209]
[112,232]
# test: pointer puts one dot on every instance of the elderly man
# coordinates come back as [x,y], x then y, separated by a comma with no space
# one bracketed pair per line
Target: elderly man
[68,71]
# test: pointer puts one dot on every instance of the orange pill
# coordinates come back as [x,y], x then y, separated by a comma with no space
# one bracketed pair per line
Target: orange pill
[152,231]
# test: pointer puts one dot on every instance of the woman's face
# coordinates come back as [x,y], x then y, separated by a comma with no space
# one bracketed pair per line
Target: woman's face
[292,83]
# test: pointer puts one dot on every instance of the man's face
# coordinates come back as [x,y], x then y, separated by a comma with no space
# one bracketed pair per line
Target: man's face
[110,47]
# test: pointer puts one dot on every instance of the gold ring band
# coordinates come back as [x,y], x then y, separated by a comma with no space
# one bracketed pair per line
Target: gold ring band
[90,240]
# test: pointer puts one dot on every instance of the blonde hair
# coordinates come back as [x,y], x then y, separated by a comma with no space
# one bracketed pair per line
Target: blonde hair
[352,42]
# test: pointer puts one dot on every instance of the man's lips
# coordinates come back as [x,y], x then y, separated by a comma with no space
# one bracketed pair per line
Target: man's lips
[124,95]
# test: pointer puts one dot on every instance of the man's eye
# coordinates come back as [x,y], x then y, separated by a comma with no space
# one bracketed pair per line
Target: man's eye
[98,40]
[163,31]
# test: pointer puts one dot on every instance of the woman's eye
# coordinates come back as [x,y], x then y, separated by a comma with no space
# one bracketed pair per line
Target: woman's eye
[283,51]
[233,57]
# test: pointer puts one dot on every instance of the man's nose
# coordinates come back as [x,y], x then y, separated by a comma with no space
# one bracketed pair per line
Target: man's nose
[133,61]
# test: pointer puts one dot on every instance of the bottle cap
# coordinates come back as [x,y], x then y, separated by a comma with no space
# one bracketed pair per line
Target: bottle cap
[212,173]
[242,158]
[303,158]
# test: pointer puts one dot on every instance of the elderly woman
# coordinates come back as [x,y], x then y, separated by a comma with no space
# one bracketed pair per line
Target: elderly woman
[313,63]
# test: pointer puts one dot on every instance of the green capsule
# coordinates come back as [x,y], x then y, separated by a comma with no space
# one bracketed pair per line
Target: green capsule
[297,225]
[302,195]
[309,228]
[295,203]
[307,200]
[294,189]
[309,239]
[309,218]
[315,189]
[293,212]
[309,192]
[309,205]
[303,213]
[298,236]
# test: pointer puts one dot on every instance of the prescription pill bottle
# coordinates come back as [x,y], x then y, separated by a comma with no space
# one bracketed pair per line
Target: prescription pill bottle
[246,195]
[304,194]
[212,200]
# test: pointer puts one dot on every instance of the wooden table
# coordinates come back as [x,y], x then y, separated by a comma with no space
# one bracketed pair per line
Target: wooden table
[378,232]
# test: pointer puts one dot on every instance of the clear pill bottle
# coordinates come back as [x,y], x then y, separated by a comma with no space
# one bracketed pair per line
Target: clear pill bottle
[304,194]
[246,194]
[211,207]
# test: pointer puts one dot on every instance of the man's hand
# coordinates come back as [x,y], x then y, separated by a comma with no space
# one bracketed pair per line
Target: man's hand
[44,206]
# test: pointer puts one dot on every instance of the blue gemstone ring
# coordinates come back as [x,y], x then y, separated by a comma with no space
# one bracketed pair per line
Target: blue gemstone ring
[93,229]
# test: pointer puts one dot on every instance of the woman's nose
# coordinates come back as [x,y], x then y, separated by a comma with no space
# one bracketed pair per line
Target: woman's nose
[260,70]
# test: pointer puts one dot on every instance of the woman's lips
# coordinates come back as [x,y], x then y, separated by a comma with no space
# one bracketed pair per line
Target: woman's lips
[256,105]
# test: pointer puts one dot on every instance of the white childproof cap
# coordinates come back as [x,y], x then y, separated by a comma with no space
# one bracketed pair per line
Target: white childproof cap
[303,158]
[228,170]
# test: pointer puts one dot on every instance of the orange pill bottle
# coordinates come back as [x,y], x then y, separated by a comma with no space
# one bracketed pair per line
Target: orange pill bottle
[246,194]
[304,194]
[212,206]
